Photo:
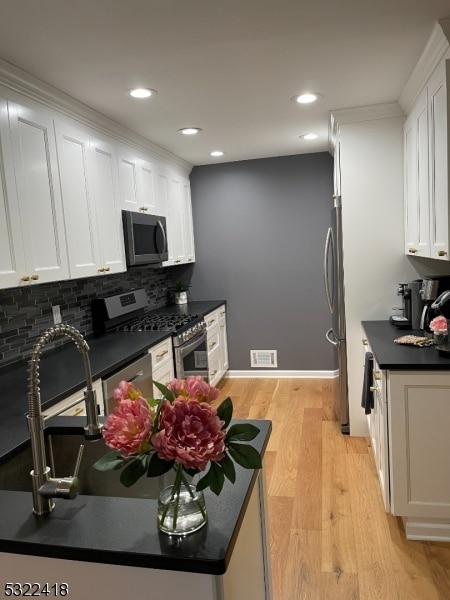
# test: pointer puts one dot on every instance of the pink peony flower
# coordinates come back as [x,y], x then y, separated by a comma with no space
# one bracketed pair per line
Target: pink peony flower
[190,433]
[194,387]
[126,390]
[439,325]
[127,429]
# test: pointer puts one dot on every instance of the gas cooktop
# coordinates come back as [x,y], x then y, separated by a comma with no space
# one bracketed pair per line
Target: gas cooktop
[159,322]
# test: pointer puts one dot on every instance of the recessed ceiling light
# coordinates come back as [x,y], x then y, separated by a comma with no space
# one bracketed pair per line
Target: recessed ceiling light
[142,92]
[309,136]
[189,130]
[217,153]
[306,98]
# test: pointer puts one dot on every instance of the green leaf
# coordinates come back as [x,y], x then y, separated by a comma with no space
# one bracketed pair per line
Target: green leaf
[214,479]
[243,432]
[165,391]
[225,411]
[228,468]
[245,455]
[158,466]
[109,461]
[133,471]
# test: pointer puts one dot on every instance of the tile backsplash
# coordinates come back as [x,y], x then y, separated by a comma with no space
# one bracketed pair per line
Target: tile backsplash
[26,312]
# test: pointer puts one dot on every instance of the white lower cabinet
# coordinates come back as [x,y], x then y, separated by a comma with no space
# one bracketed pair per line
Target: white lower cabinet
[247,577]
[409,428]
[74,405]
[377,422]
[216,331]
[163,369]
[419,425]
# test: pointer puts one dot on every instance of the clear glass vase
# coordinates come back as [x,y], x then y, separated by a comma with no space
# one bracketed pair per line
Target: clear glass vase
[440,339]
[181,509]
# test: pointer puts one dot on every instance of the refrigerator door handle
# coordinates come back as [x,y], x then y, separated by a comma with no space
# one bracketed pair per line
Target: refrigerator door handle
[329,244]
[331,337]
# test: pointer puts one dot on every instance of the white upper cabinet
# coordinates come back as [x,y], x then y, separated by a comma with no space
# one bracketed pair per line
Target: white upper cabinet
[417,202]
[179,221]
[39,202]
[426,169]
[138,188]
[74,154]
[12,258]
[439,160]
[89,185]
[107,194]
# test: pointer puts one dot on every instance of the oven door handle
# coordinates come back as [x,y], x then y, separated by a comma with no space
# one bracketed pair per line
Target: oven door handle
[192,343]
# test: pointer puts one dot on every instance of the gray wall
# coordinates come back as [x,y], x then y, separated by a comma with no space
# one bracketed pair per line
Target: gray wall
[260,228]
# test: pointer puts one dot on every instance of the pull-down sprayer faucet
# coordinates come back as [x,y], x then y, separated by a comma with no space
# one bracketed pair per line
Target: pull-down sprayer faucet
[45,488]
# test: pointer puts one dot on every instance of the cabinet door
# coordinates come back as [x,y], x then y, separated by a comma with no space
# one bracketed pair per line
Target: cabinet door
[438,139]
[417,220]
[186,215]
[128,177]
[74,154]
[12,259]
[419,444]
[146,188]
[106,188]
[175,238]
[38,192]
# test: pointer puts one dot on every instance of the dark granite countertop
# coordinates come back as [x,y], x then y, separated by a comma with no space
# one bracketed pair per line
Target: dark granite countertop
[81,529]
[62,372]
[389,355]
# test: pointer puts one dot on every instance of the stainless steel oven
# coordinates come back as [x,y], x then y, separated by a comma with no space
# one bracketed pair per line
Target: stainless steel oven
[128,311]
[191,356]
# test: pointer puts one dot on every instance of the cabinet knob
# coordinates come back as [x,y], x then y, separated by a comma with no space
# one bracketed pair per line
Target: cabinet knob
[373,388]
[106,269]
[365,342]
[412,250]
[178,260]
[101,270]
[25,278]
[211,346]
[161,354]
[143,208]
[442,253]
[35,277]
[377,375]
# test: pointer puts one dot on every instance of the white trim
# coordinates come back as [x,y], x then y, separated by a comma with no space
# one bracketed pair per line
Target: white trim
[431,56]
[388,110]
[21,82]
[427,531]
[263,373]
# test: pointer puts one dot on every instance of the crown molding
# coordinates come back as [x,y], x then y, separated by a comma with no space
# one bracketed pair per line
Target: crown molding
[23,83]
[433,53]
[387,110]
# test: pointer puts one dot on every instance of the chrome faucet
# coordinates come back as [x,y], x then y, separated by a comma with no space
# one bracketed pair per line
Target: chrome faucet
[45,488]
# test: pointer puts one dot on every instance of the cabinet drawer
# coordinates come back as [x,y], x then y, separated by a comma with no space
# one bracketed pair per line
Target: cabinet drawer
[73,405]
[164,375]
[212,319]
[161,353]
[214,369]
[222,313]
[213,340]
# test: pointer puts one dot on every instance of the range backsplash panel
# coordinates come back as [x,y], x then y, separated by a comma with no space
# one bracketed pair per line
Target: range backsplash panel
[26,312]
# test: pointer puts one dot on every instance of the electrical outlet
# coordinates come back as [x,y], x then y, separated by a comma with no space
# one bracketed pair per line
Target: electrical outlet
[56,314]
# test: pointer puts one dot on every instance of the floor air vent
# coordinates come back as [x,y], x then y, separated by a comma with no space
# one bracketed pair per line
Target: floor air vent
[263,358]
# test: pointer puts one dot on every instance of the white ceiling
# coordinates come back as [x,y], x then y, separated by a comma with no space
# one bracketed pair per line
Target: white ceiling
[228,67]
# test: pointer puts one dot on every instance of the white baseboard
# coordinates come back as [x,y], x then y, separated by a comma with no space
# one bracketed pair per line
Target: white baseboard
[433,530]
[278,374]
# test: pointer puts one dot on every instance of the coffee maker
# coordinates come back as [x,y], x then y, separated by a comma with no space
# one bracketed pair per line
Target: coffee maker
[432,288]
[412,305]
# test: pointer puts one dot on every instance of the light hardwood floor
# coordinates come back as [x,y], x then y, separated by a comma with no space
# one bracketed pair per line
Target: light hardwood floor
[330,536]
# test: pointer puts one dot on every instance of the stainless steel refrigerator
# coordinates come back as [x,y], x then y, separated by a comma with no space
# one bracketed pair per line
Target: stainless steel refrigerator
[334,291]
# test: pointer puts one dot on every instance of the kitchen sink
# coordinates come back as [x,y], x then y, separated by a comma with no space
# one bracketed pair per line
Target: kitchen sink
[62,450]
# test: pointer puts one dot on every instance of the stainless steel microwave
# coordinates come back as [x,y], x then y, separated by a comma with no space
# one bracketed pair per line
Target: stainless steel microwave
[145,238]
